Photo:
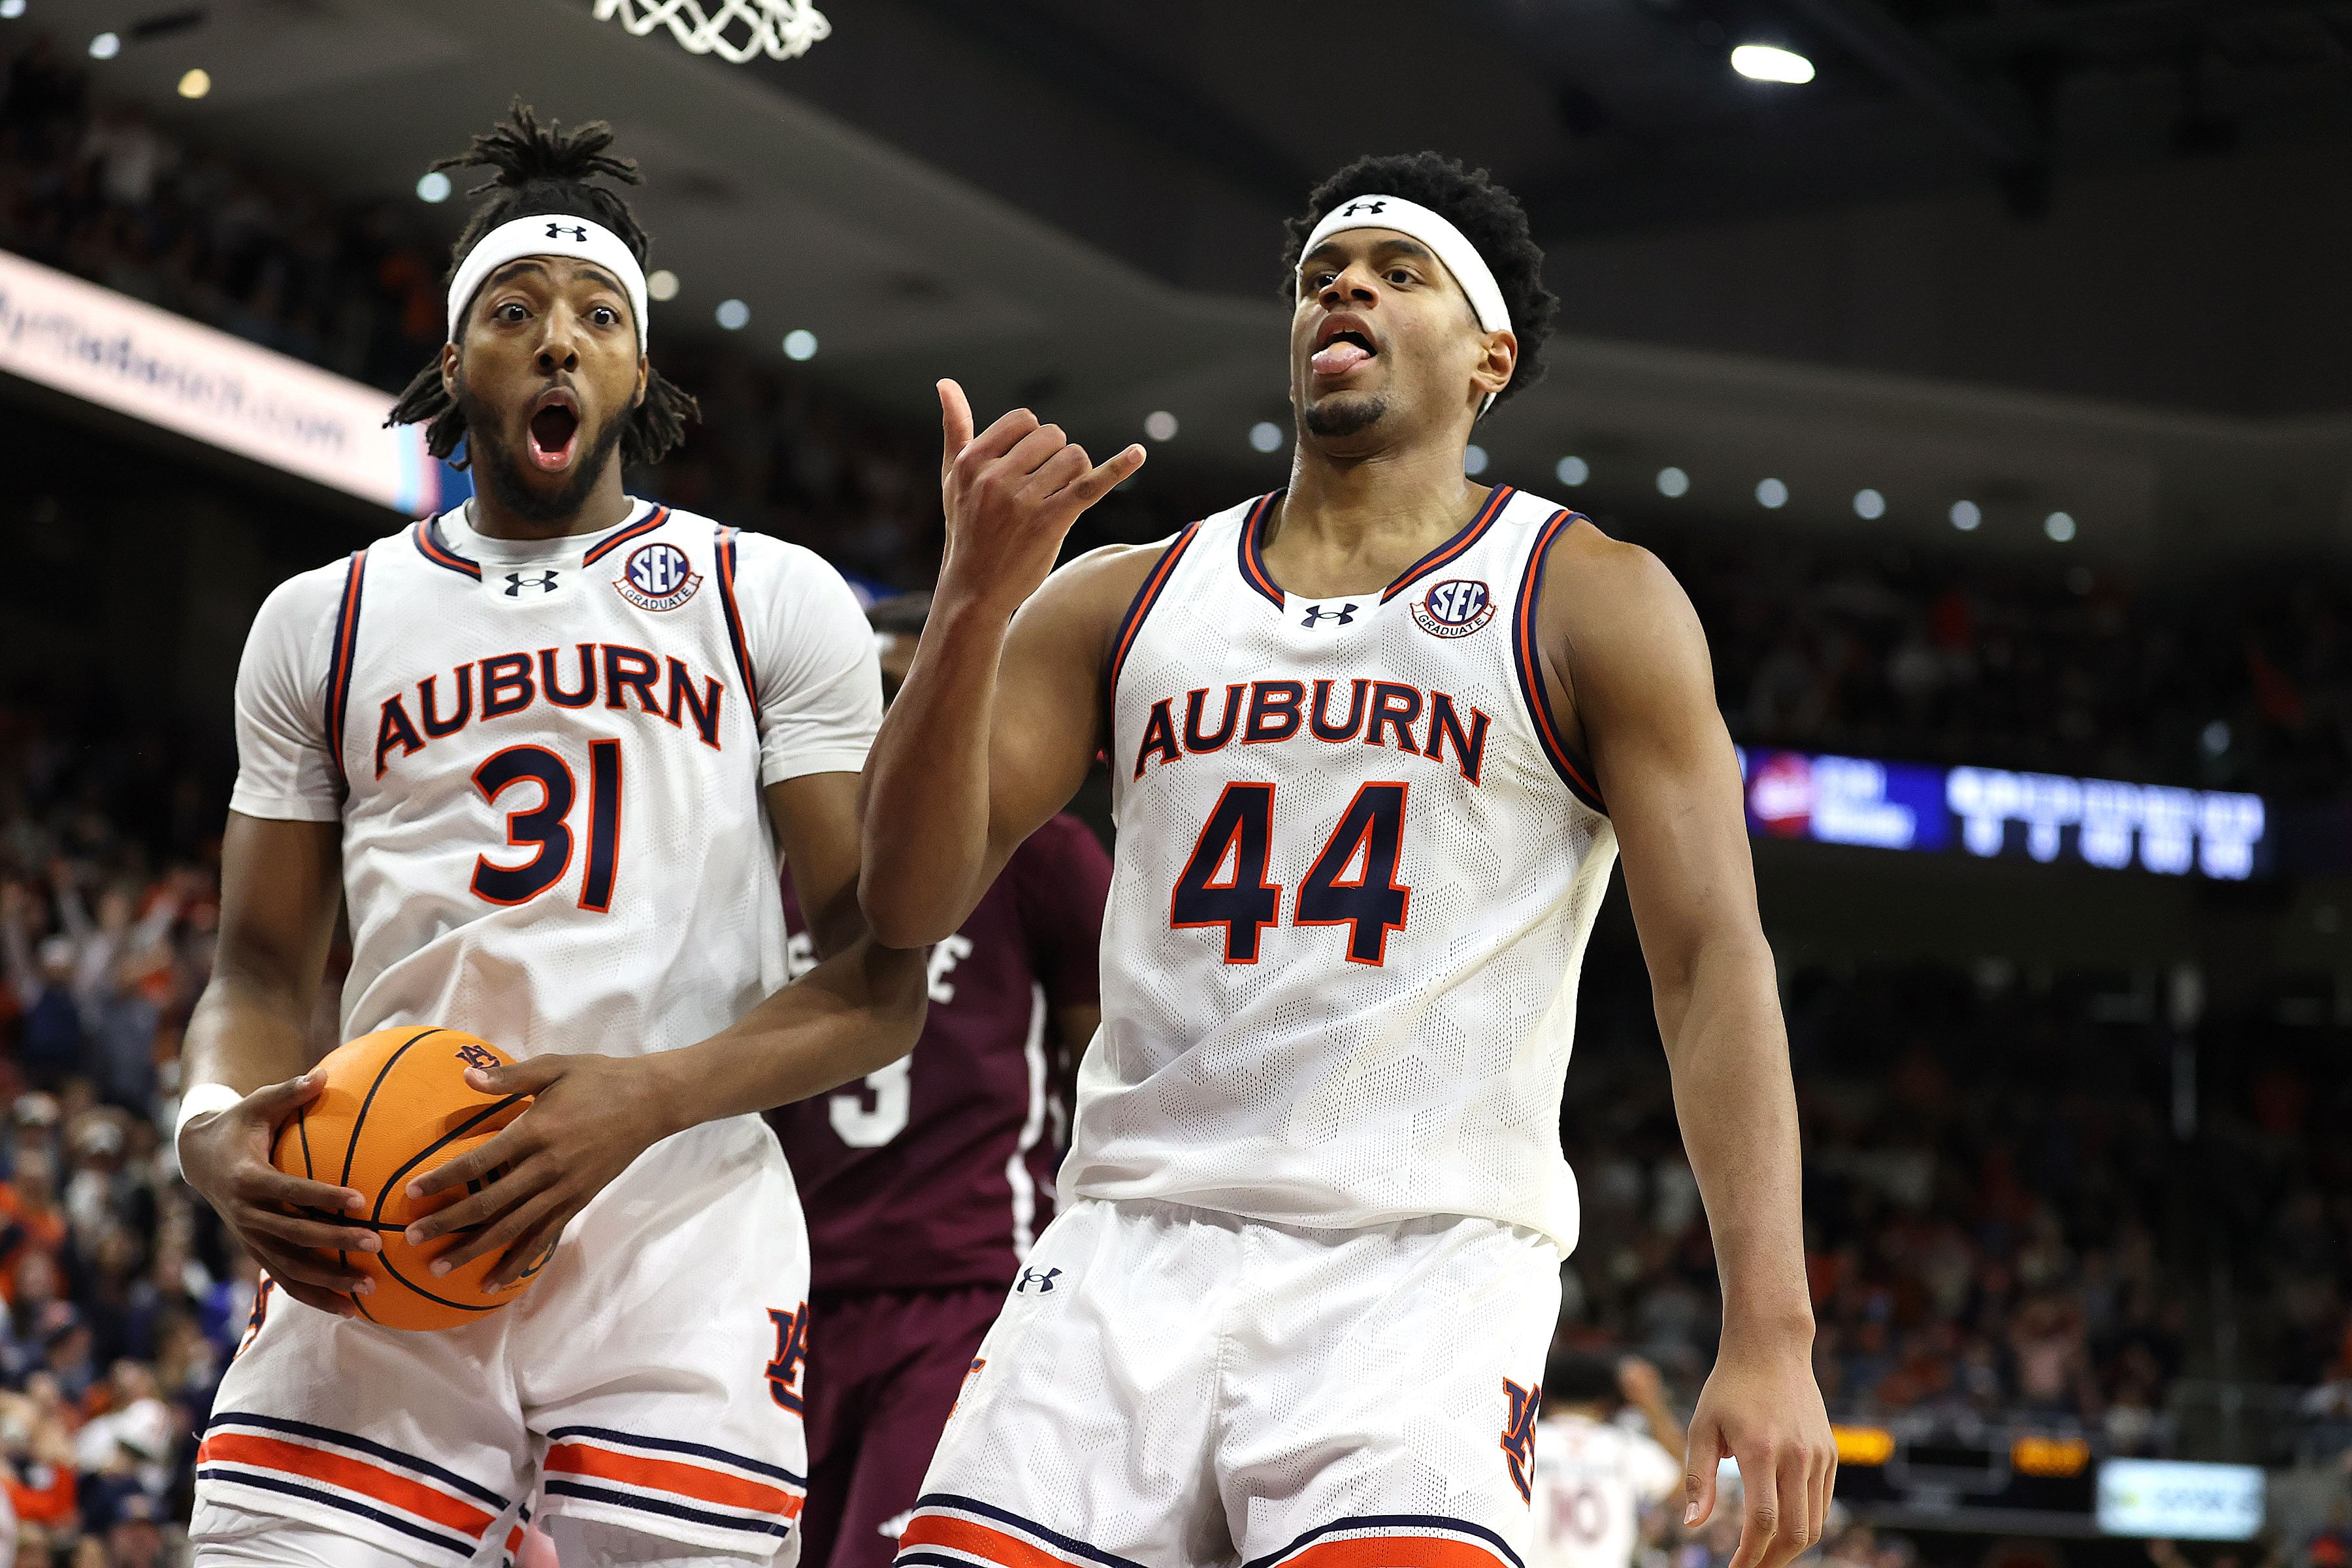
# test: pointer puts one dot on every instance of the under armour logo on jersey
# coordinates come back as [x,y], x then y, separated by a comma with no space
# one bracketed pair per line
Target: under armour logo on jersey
[1352,208]
[1519,1435]
[1043,1282]
[517,583]
[578,231]
[1345,614]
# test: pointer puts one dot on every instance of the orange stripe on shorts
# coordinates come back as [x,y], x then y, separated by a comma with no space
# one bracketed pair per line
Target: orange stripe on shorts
[342,1470]
[978,1541]
[672,1477]
[1393,1551]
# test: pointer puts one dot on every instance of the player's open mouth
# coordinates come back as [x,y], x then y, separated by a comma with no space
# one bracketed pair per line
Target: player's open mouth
[1341,347]
[554,429]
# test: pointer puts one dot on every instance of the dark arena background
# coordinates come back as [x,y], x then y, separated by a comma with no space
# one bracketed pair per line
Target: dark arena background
[1988,390]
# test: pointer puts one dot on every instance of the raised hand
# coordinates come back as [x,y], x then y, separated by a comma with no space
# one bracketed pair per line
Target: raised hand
[1011,494]
[289,1224]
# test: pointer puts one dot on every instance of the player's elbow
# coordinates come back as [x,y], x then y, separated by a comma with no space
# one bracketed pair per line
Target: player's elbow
[898,915]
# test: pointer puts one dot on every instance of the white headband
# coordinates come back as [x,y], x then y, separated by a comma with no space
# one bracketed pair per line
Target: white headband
[550,233]
[1434,230]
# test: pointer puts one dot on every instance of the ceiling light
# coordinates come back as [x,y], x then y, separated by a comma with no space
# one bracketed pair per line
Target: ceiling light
[1160,425]
[196,82]
[1573,471]
[799,343]
[1967,515]
[106,46]
[1265,436]
[1766,62]
[1672,482]
[433,185]
[11,9]
[1771,494]
[1474,459]
[734,315]
[661,284]
[2059,527]
[1869,505]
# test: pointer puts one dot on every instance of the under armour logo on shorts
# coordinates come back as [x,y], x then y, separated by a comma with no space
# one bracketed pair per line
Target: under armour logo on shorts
[1352,208]
[1345,614]
[517,583]
[1044,1282]
[578,231]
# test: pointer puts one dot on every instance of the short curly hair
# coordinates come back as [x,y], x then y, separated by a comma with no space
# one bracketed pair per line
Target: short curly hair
[1489,216]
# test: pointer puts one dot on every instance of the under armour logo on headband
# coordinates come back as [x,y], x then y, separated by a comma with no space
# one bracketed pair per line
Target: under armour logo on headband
[579,232]
[1352,208]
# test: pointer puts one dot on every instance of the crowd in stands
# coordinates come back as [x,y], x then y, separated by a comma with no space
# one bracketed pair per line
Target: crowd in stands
[1956,656]
[2222,682]
[120,1300]
[2004,1219]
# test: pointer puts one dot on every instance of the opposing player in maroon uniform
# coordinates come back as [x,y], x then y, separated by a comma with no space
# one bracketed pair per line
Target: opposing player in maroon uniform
[925,1186]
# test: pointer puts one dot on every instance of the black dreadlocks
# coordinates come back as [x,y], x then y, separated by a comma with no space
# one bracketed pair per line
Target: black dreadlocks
[1489,216]
[543,170]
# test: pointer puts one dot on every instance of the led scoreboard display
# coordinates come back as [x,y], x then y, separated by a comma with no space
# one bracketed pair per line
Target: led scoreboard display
[1917,1474]
[1990,811]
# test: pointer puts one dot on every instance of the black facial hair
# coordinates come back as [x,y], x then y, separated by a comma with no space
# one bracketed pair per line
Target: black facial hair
[503,474]
[1344,414]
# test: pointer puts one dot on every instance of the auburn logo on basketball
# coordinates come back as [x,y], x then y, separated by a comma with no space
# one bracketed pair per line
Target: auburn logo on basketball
[658,577]
[1454,608]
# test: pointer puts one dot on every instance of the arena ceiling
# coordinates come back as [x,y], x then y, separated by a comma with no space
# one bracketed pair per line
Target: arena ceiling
[2077,254]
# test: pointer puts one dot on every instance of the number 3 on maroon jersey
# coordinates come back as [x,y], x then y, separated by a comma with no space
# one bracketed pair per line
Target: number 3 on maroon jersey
[1370,904]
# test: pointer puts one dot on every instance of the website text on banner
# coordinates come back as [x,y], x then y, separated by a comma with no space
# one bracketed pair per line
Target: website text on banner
[130,357]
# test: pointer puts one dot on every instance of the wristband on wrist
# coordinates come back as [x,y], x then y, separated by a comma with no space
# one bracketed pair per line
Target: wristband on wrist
[202,1099]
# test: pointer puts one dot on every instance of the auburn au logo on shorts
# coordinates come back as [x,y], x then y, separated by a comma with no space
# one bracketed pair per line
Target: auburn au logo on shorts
[1454,608]
[658,577]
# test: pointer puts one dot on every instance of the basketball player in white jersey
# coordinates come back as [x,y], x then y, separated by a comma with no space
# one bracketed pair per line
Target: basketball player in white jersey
[1596,1478]
[543,748]
[1376,741]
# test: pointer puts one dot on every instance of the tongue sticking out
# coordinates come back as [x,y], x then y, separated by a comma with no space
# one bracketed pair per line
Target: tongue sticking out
[1340,356]
[552,431]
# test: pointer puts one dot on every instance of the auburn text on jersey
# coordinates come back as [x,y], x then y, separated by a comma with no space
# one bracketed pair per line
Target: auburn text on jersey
[626,678]
[1423,723]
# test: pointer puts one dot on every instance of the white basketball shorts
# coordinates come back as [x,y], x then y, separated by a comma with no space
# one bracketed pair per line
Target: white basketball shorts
[652,1378]
[1175,1386]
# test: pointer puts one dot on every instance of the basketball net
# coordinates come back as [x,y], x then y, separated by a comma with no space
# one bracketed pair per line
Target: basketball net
[735,30]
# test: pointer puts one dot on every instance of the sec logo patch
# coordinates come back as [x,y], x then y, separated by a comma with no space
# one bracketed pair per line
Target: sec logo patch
[658,577]
[1454,608]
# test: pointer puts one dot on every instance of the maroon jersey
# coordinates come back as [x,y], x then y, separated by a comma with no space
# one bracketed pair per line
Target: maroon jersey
[938,1171]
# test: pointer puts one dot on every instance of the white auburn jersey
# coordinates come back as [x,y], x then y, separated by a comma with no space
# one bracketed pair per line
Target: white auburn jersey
[1594,1480]
[1356,871]
[547,757]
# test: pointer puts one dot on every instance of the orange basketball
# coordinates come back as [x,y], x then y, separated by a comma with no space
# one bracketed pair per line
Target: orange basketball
[396,1106]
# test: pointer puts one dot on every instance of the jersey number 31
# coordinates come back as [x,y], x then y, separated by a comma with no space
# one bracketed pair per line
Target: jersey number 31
[1352,883]
[547,825]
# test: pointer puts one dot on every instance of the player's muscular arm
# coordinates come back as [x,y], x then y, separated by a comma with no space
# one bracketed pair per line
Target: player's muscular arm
[1623,640]
[280,885]
[859,1010]
[1000,716]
